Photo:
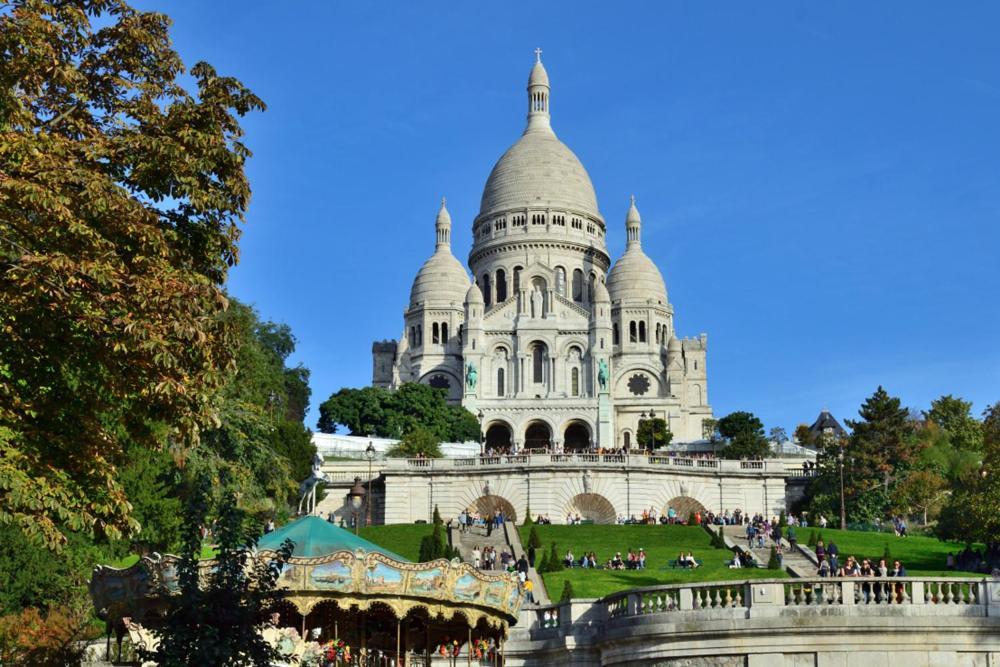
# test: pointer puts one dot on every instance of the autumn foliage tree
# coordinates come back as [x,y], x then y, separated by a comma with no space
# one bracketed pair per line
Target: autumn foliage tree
[120,196]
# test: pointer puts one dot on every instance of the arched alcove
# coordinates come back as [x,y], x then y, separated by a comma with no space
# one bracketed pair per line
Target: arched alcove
[576,437]
[592,507]
[498,436]
[487,505]
[538,435]
[685,506]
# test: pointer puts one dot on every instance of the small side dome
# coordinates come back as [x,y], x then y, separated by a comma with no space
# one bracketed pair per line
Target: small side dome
[634,278]
[601,294]
[442,279]
[674,345]
[474,297]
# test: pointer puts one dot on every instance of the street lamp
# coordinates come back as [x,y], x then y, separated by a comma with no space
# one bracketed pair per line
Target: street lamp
[355,497]
[843,512]
[370,455]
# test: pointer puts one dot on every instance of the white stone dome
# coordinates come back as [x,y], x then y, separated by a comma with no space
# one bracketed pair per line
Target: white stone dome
[441,280]
[635,278]
[539,170]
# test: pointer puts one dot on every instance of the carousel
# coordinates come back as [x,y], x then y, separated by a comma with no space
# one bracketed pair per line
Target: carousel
[346,601]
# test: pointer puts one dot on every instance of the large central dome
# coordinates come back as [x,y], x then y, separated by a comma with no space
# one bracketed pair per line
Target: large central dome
[539,170]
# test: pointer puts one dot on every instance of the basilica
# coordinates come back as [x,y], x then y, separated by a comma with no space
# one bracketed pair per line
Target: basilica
[548,344]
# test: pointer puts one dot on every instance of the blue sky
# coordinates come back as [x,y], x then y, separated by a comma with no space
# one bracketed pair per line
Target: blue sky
[819,182]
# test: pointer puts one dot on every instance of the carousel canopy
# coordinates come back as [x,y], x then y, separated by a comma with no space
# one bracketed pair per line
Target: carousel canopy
[314,537]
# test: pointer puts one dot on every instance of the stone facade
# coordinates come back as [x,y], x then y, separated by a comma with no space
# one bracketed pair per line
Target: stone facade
[550,344]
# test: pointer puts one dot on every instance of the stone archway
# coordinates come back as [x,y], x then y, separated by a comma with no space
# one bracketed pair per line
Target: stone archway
[499,436]
[538,435]
[488,505]
[576,437]
[685,506]
[592,507]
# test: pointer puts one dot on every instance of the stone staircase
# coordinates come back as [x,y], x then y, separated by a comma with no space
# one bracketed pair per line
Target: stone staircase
[506,537]
[794,562]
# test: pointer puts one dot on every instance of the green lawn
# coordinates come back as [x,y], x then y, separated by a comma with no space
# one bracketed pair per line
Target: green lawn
[403,538]
[661,543]
[921,556]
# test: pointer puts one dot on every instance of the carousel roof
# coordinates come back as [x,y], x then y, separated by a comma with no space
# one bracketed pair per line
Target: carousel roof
[313,537]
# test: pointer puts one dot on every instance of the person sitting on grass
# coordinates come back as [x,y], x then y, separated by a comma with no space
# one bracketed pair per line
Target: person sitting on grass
[641,559]
[568,560]
[692,563]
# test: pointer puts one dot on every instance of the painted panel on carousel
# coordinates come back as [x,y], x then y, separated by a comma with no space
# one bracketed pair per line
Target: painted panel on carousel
[383,578]
[495,593]
[467,588]
[290,575]
[337,575]
[514,599]
[429,582]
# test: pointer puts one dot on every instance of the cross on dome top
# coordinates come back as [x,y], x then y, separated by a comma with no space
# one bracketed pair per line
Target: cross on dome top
[538,55]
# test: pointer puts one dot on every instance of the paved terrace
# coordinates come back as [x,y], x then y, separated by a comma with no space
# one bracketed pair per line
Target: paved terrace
[914,621]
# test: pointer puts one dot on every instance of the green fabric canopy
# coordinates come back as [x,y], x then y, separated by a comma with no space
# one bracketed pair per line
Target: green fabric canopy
[312,537]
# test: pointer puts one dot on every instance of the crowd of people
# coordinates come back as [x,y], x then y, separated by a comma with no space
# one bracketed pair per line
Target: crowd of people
[468,519]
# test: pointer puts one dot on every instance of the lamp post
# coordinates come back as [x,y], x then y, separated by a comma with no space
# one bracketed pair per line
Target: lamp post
[370,455]
[355,497]
[843,512]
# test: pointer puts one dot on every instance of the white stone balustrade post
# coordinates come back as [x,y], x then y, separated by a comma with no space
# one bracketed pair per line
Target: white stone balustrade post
[766,594]
[917,595]
[634,605]
[847,592]
[686,599]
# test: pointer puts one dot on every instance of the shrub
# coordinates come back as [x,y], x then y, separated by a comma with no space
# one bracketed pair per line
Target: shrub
[554,563]
[772,561]
[533,539]
[541,563]
[887,555]
[783,519]
[527,517]
[567,592]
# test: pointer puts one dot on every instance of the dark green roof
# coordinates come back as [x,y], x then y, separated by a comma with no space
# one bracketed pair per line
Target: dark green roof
[312,537]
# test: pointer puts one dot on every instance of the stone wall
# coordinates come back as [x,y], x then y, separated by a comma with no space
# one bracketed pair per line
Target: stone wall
[911,622]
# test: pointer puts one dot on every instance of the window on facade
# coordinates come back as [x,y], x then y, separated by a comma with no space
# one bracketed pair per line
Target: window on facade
[590,287]
[577,285]
[642,332]
[657,334]
[628,439]
[501,286]
[560,281]
[632,336]
[487,293]
[537,363]
[461,329]
[575,381]
[435,337]
[444,333]
[420,334]
[696,364]
[501,389]
[517,279]
[614,334]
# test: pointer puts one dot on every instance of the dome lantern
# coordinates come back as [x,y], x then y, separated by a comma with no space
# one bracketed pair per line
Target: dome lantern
[538,97]
[443,226]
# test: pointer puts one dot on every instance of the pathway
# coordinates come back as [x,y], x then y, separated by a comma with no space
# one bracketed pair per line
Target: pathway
[476,537]
[793,561]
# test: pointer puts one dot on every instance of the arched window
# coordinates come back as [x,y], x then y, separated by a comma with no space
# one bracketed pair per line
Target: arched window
[420,335]
[461,329]
[632,336]
[577,285]
[657,333]
[642,332]
[590,287]
[435,336]
[575,381]
[501,388]
[628,439]
[517,279]
[560,281]
[501,286]
[538,363]
[487,293]
[413,337]
[444,333]
[614,334]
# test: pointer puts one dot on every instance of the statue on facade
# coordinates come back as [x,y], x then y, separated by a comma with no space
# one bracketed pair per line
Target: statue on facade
[586,481]
[602,374]
[536,302]
[471,375]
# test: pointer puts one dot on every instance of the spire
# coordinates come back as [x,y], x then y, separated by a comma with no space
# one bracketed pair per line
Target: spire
[443,226]
[538,97]
[633,226]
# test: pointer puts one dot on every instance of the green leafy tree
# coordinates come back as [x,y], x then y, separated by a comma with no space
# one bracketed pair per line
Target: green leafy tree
[436,544]
[418,442]
[777,435]
[220,621]
[744,434]
[971,514]
[653,430]
[152,482]
[390,414]
[954,415]
[528,521]
[772,562]
[120,198]
[533,539]
[710,429]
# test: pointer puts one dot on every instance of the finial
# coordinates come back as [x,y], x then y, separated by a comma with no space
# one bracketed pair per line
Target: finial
[632,199]
[443,201]
[538,55]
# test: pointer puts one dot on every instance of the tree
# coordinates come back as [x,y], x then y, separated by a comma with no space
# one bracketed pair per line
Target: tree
[533,539]
[955,416]
[436,544]
[391,413]
[418,442]
[744,434]
[803,435]
[710,429]
[772,562]
[777,435]
[120,196]
[220,621]
[972,515]
[567,592]
[152,482]
[653,431]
